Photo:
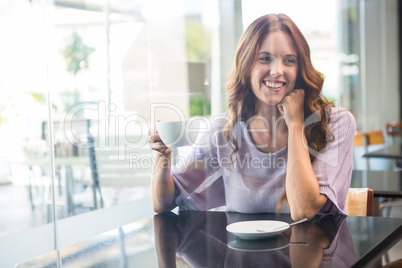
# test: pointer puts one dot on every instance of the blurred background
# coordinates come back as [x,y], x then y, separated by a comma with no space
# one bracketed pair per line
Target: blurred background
[73,69]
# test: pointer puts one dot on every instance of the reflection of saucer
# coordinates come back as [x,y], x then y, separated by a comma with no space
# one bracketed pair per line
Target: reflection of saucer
[274,243]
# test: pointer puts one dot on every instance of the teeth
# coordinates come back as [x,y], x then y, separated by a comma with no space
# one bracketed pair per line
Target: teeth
[273,85]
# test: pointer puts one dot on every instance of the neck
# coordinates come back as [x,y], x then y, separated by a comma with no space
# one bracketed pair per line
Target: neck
[270,114]
[268,129]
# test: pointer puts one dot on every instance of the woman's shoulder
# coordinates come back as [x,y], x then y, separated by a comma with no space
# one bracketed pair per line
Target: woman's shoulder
[342,122]
[341,115]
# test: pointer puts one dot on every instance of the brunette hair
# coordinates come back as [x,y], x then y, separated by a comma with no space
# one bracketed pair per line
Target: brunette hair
[241,99]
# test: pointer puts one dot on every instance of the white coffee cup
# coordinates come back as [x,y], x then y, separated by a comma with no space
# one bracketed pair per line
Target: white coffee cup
[178,133]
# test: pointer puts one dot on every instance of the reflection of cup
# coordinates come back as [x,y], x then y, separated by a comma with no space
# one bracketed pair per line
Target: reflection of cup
[178,133]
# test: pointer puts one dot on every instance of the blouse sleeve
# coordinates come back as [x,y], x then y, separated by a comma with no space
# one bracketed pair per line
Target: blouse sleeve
[333,164]
[198,176]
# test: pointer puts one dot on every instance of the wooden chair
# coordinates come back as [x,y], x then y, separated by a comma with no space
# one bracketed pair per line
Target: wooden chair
[394,130]
[360,202]
[367,138]
[376,137]
[394,264]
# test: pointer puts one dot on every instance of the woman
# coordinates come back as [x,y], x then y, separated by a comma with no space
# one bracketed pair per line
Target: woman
[286,142]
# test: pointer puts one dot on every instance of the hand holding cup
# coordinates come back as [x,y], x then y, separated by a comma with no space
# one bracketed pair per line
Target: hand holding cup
[157,144]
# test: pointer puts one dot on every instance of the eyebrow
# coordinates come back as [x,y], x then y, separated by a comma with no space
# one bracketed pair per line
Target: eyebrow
[267,53]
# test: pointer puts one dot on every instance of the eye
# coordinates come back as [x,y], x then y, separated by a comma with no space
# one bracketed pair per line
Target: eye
[290,61]
[265,59]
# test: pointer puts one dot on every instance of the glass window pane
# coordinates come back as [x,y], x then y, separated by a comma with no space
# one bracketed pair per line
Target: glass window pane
[26,205]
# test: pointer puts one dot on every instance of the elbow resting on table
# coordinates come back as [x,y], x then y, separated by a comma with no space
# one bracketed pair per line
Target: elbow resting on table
[159,208]
[309,214]
[309,210]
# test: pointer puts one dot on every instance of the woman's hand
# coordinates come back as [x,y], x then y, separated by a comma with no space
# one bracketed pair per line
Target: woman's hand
[292,108]
[157,144]
[163,188]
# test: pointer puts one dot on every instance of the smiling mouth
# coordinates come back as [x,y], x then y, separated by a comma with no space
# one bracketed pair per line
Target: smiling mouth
[273,85]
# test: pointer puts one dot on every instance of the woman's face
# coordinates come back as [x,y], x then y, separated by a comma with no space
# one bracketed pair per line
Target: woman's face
[274,70]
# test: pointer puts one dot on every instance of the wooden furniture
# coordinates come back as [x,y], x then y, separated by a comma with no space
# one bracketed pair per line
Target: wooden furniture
[367,138]
[360,201]
[385,183]
[387,187]
[394,130]
[394,264]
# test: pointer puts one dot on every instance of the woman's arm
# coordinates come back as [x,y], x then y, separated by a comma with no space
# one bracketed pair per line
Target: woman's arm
[163,188]
[302,188]
[309,255]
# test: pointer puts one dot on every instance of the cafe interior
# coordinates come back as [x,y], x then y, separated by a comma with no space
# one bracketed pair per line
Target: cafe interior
[83,81]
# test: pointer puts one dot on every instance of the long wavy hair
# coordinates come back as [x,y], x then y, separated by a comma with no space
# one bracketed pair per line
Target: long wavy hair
[241,99]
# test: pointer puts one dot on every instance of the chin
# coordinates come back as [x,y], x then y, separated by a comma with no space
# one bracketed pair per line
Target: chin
[273,101]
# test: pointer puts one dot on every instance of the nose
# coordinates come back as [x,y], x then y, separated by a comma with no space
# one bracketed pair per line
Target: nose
[276,69]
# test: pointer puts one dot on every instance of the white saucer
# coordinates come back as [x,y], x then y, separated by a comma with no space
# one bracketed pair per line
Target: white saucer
[257,229]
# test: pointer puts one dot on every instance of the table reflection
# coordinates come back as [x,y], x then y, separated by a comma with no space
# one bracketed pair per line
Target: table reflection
[201,240]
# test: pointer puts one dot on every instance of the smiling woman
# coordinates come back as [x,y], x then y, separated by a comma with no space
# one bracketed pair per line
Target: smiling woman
[275,108]
[121,68]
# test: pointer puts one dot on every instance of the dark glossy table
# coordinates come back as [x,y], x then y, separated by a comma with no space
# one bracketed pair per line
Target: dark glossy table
[391,152]
[200,239]
[385,183]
